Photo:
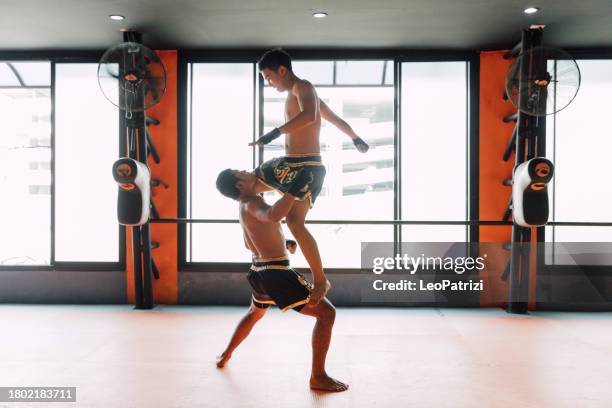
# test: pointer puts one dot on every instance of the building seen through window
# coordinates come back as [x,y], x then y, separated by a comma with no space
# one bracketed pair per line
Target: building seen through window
[25,163]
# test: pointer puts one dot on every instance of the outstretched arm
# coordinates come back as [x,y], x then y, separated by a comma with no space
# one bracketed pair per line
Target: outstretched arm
[330,116]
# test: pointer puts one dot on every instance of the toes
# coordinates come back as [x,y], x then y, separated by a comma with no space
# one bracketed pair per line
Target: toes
[340,386]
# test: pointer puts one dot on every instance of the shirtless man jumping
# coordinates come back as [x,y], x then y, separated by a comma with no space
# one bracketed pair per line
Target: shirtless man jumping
[303,113]
[271,278]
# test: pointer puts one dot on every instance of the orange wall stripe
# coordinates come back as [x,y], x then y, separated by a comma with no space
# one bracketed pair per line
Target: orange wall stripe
[494,134]
[165,137]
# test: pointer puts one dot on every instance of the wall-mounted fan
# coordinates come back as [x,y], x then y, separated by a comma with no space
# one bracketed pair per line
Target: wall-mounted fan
[537,91]
[131,76]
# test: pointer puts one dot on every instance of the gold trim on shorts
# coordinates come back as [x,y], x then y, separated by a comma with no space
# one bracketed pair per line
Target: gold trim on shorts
[263,302]
[280,258]
[268,267]
[306,163]
[302,155]
[300,302]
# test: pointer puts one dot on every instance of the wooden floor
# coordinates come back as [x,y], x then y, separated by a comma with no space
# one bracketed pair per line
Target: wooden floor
[119,357]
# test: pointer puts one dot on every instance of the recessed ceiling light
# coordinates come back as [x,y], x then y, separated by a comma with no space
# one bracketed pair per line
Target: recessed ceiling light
[531,10]
[116,17]
[319,14]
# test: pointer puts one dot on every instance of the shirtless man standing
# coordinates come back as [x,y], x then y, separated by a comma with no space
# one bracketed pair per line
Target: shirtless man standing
[303,113]
[271,278]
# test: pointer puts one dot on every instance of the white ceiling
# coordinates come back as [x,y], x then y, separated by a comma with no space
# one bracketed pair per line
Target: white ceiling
[414,24]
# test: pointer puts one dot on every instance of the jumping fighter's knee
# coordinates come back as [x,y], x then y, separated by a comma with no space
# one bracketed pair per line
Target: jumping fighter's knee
[326,312]
[330,313]
[295,223]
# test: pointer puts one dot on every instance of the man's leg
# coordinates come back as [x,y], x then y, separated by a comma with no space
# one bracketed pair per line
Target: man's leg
[325,313]
[241,332]
[295,222]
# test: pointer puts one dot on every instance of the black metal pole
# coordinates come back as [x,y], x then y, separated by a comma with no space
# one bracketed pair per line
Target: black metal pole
[540,140]
[132,152]
[514,304]
[527,129]
[523,301]
[515,272]
[141,239]
[147,268]
[137,262]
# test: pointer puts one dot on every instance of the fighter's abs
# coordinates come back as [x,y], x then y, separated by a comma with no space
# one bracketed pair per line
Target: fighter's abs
[304,140]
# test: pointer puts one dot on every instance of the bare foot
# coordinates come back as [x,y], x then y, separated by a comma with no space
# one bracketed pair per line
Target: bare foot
[326,383]
[223,359]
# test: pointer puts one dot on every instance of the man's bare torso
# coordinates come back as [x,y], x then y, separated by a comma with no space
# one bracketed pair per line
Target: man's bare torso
[306,139]
[264,239]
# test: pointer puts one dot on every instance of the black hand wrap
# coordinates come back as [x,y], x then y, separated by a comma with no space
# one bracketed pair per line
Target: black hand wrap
[300,182]
[360,142]
[270,136]
[291,246]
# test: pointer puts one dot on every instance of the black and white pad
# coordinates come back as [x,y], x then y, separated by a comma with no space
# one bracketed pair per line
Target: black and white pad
[134,199]
[530,192]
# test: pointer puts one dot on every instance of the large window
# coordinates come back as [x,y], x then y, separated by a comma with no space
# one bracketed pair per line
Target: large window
[224,105]
[578,142]
[60,199]
[25,163]
[434,149]
[357,186]
[86,146]
[222,125]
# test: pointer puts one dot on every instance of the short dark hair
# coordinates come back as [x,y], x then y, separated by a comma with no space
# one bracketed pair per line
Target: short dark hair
[226,184]
[273,59]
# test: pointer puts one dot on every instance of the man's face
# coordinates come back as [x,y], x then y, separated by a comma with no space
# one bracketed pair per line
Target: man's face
[246,181]
[276,78]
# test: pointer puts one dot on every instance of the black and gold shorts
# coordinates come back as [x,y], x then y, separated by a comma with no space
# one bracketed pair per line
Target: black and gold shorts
[275,283]
[280,172]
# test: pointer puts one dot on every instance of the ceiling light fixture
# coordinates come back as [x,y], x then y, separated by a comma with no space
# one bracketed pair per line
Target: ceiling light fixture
[116,17]
[531,10]
[319,14]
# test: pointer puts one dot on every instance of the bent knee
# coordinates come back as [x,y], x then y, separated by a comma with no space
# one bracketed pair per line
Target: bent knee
[294,222]
[327,312]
